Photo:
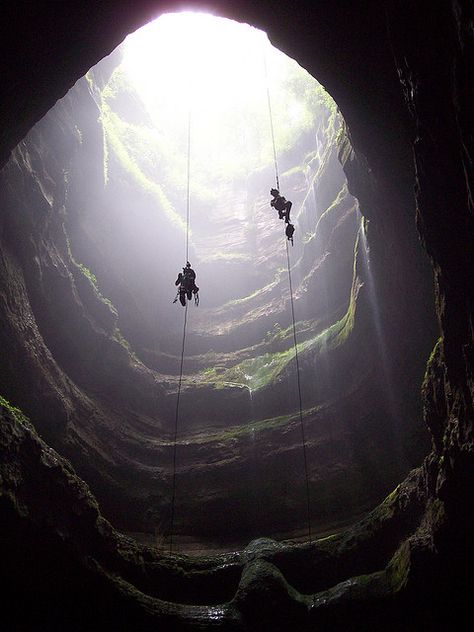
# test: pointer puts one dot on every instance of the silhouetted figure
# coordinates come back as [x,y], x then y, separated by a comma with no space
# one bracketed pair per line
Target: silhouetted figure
[187,286]
[290,229]
[282,205]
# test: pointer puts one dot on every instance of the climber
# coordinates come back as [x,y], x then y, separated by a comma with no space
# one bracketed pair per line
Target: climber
[282,205]
[290,229]
[187,285]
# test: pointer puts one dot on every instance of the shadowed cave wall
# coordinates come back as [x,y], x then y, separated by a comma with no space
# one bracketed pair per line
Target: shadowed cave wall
[36,278]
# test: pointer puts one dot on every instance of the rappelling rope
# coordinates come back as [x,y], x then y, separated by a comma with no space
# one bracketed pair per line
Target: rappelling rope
[173,486]
[188,189]
[303,438]
[176,419]
[300,400]
[269,101]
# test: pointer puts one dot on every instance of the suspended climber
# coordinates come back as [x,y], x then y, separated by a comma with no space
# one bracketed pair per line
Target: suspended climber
[281,204]
[187,286]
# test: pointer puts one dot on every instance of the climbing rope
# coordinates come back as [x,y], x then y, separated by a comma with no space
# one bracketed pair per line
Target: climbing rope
[300,401]
[188,189]
[269,102]
[176,418]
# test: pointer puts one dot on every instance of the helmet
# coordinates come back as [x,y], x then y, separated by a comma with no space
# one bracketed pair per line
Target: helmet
[188,265]
[274,191]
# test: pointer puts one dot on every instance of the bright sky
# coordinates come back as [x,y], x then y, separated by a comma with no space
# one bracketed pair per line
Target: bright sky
[214,68]
[201,60]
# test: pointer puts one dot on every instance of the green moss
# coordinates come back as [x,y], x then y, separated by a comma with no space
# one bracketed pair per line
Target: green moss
[253,372]
[432,360]
[92,280]
[84,270]
[118,336]
[264,369]
[386,509]
[89,79]
[338,333]
[434,353]
[114,132]
[341,135]
[398,569]
[15,412]
[325,99]
[343,328]
[88,274]
[259,371]
[117,83]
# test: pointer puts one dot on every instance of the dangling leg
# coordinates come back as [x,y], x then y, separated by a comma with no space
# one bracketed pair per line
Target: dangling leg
[182,298]
[287,211]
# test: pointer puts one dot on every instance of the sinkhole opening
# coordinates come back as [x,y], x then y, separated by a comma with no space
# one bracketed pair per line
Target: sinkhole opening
[187,122]
[276,406]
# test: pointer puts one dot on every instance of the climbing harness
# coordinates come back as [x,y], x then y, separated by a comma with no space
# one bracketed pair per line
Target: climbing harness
[187,287]
[295,341]
[196,297]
